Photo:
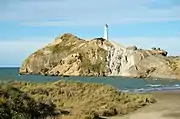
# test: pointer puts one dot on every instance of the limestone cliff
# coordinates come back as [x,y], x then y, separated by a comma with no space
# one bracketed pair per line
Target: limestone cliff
[70,55]
[133,62]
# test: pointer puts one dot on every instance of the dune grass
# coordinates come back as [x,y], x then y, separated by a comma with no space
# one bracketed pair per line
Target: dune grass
[85,100]
[15,104]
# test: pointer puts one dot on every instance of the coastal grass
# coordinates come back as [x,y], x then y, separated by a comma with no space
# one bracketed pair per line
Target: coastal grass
[15,104]
[84,100]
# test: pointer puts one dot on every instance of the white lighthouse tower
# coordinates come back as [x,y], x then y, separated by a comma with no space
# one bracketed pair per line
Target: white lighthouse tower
[106,32]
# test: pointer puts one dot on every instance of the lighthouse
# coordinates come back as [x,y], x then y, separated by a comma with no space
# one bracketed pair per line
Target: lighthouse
[106,32]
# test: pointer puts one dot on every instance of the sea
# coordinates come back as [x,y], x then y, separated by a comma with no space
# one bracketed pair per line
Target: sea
[123,84]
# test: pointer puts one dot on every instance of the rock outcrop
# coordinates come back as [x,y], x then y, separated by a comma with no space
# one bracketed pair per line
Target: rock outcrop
[70,55]
[133,62]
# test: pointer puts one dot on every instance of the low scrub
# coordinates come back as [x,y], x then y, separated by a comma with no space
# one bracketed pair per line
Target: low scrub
[85,100]
[15,104]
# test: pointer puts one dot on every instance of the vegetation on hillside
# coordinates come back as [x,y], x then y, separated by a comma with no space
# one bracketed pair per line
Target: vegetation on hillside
[88,50]
[75,100]
[92,57]
[175,64]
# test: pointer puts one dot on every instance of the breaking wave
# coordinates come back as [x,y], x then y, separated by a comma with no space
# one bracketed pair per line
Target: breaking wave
[153,88]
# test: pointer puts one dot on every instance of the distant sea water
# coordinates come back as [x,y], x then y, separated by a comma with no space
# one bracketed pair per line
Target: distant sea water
[122,83]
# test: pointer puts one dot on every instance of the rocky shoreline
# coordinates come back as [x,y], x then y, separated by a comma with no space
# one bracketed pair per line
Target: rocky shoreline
[69,55]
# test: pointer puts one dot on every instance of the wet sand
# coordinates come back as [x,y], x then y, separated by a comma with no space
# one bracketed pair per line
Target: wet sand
[167,107]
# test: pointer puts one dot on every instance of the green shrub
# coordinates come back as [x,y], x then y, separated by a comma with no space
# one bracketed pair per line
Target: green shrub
[15,104]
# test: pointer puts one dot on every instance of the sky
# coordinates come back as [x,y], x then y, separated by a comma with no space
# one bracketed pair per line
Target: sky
[28,25]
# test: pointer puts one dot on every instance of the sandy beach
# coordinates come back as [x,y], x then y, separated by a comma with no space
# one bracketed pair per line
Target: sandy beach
[167,107]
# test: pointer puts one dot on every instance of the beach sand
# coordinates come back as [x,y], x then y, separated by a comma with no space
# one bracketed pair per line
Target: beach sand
[167,107]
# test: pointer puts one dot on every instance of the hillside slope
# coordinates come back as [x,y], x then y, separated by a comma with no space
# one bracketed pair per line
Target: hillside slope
[70,55]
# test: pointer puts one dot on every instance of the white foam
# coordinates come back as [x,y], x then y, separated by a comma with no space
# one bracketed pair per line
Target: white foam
[176,85]
[152,88]
[155,85]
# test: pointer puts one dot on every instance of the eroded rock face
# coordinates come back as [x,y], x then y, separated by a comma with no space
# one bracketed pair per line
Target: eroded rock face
[134,62]
[68,66]
[70,55]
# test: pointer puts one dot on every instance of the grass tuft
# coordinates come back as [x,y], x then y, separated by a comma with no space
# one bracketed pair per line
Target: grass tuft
[85,100]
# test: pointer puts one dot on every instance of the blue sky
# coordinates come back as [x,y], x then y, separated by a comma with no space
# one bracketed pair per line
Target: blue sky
[27,25]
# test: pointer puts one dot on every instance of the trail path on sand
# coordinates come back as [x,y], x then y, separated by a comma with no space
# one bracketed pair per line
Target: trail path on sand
[167,107]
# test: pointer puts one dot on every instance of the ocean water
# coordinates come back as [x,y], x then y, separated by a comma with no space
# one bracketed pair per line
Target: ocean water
[122,83]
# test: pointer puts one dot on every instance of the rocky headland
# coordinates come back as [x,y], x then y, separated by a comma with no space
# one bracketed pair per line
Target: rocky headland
[73,56]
